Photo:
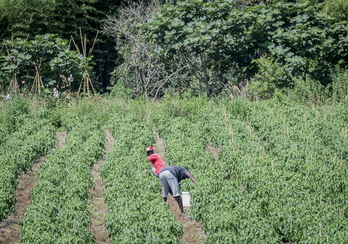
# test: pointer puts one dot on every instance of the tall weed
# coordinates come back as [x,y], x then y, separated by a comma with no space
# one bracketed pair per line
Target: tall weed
[16,111]
[309,91]
[340,85]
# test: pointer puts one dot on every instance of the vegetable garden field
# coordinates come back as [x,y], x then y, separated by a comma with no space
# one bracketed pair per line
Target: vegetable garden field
[280,175]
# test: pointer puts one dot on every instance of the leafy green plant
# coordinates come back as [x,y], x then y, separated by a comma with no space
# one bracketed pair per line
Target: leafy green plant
[215,41]
[339,85]
[279,175]
[17,110]
[309,91]
[18,153]
[136,212]
[58,212]
[337,9]
[46,58]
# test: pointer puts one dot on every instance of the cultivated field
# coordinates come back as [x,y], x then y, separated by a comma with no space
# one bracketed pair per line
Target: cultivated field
[267,172]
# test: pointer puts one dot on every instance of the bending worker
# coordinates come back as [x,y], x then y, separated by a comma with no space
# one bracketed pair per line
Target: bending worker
[170,178]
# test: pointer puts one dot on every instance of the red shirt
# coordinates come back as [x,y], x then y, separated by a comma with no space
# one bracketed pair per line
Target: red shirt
[157,162]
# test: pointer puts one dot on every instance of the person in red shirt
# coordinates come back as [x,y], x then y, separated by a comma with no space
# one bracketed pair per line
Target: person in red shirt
[156,161]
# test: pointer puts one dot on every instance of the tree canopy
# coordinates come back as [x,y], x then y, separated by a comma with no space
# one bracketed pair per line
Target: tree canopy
[26,19]
[194,46]
[45,58]
[218,37]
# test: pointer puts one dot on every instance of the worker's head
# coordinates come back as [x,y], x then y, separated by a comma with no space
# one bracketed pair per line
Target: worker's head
[149,150]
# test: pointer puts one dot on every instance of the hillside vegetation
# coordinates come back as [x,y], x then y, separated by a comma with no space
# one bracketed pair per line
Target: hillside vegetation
[154,49]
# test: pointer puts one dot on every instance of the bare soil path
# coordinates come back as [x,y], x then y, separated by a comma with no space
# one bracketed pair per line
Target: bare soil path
[10,227]
[193,231]
[97,205]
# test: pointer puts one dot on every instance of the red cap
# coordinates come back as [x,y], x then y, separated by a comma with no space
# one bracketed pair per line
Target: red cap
[149,149]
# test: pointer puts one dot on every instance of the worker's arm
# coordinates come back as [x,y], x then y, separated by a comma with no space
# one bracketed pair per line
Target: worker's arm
[154,172]
[189,175]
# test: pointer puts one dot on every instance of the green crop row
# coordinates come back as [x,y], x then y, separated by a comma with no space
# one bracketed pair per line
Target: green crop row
[18,153]
[280,175]
[309,150]
[58,211]
[136,211]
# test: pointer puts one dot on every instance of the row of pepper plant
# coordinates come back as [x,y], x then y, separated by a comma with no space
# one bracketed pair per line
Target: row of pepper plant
[12,117]
[309,147]
[136,211]
[58,212]
[18,153]
[280,175]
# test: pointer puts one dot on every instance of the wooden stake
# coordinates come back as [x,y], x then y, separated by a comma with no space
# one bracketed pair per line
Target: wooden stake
[86,82]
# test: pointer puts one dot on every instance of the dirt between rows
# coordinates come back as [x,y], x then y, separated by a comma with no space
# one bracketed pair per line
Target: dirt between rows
[10,227]
[96,204]
[193,231]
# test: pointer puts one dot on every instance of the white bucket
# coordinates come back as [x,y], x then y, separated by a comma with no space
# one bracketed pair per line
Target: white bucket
[186,199]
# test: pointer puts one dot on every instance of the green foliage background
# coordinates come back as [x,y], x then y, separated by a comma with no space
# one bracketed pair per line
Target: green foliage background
[29,18]
[216,47]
